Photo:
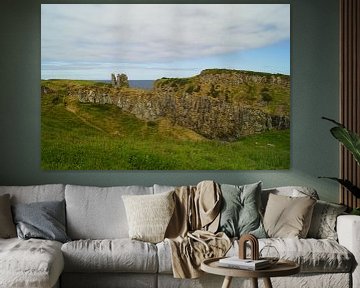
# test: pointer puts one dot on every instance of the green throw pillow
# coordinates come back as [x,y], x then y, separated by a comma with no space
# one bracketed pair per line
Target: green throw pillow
[240,213]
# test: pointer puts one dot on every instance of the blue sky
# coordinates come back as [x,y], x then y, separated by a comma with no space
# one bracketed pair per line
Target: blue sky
[150,41]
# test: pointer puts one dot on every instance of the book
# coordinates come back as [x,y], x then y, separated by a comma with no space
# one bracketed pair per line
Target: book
[236,262]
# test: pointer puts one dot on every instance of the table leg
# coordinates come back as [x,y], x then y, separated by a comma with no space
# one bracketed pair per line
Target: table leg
[254,282]
[267,283]
[227,282]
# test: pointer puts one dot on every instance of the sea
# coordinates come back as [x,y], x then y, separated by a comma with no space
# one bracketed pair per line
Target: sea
[142,84]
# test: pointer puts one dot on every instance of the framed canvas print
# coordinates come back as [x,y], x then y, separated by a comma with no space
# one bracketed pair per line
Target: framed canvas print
[165,86]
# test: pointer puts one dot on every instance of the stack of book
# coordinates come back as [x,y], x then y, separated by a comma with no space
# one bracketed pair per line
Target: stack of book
[248,264]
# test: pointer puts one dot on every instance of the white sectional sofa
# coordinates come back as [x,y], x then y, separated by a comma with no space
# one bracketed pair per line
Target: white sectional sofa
[101,254]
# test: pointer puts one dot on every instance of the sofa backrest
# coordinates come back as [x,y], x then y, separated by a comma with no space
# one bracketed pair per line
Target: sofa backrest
[36,193]
[98,212]
[163,188]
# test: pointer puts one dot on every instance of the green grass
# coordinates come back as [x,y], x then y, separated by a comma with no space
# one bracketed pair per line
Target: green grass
[78,136]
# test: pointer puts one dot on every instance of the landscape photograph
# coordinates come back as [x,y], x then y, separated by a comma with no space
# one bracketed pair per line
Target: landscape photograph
[165,86]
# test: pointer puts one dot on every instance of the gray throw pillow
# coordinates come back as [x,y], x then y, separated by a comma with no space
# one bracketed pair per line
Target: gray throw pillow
[44,220]
[323,222]
[7,227]
[240,213]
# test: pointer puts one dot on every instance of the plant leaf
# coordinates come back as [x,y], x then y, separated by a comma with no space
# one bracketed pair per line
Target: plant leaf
[348,138]
[347,184]
[333,121]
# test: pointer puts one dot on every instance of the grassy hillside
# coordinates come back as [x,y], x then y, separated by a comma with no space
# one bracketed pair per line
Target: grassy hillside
[255,89]
[77,136]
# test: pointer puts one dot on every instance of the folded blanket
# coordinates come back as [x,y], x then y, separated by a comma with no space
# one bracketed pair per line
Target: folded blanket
[191,231]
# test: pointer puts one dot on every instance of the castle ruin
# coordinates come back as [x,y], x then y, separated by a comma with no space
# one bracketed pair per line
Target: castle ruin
[121,80]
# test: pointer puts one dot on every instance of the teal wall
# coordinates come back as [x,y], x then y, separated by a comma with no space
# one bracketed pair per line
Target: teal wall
[314,92]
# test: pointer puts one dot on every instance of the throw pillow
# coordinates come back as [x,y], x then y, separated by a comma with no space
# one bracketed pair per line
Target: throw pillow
[7,227]
[44,220]
[240,213]
[149,215]
[323,222]
[288,217]
[293,191]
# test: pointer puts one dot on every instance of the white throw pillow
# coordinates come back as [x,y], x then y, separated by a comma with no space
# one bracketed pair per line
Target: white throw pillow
[149,215]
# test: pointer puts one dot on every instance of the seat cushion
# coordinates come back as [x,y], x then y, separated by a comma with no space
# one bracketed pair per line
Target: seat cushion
[30,263]
[164,257]
[117,255]
[313,255]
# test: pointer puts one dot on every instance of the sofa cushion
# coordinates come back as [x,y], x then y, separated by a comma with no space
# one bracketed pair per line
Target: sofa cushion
[43,220]
[109,280]
[323,222]
[164,257]
[7,226]
[163,188]
[116,255]
[98,213]
[313,255]
[36,193]
[240,210]
[30,263]
[149,215]
[287,216]
[291,191]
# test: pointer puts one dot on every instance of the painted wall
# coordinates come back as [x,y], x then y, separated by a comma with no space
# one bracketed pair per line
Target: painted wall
[314,74]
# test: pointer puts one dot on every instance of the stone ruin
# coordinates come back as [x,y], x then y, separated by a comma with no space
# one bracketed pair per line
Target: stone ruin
[121,80]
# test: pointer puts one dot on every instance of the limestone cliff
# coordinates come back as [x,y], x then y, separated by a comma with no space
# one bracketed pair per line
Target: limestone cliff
[218,104]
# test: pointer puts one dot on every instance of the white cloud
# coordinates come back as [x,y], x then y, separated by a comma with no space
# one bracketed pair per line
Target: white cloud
[144,33]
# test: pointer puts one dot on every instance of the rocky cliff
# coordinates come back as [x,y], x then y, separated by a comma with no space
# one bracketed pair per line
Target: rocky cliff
[218,104]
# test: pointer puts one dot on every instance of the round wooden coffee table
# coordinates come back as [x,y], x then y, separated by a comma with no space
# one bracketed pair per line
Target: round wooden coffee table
[281,268]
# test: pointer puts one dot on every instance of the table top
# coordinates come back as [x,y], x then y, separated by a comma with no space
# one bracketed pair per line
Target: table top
[281,268]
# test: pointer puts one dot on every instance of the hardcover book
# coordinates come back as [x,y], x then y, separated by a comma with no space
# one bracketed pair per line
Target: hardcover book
[249,264]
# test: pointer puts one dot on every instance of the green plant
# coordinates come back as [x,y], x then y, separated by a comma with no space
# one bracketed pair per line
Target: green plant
[351,141]
[265,95]
[355,211]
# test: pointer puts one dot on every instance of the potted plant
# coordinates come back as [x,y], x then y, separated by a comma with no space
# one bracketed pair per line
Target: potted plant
[351,141]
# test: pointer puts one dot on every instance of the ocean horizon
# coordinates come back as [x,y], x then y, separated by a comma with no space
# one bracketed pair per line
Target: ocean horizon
[142,84]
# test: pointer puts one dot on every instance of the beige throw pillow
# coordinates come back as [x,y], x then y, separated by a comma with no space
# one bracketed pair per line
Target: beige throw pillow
[288,217]
[148,215]
[7,226]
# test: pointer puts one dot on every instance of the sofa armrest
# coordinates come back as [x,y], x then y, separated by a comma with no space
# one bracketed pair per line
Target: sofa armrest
[348,230]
